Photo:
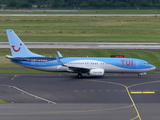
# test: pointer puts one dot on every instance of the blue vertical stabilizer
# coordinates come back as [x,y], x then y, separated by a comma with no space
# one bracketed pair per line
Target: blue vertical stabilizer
[17,47]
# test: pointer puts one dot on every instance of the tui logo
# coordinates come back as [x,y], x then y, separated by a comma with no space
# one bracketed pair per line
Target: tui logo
[127,62]
[13,47]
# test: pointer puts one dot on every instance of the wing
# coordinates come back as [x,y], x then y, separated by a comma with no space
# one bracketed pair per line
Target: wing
[59,54]
[72,68]
[78,69]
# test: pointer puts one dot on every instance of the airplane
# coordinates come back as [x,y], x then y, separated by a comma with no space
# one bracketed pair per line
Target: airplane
[93,66]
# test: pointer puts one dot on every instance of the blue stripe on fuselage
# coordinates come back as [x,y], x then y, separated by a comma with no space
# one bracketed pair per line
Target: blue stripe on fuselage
[127,63]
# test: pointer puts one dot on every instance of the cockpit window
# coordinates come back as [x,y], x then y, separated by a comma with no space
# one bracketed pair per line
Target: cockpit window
[146,63]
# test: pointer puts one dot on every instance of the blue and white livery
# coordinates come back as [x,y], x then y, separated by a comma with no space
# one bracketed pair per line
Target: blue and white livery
[94,66]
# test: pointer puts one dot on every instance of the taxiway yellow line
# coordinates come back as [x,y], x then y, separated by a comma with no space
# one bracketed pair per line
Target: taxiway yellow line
[129,94]
[143,83]
[142,92]
[57,112]
[14,77]
[149,92]
[136,92]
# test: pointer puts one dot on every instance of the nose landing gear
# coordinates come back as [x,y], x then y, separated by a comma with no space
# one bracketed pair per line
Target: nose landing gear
[140,74]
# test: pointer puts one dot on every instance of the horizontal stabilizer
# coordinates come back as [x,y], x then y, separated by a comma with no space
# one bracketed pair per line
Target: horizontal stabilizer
[13,58]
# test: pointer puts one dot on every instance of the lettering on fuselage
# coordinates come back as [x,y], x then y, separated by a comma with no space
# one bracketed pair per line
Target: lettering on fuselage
[127,62]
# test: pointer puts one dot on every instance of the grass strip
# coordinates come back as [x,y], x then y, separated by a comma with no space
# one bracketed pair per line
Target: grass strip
[3,102]
[82,29]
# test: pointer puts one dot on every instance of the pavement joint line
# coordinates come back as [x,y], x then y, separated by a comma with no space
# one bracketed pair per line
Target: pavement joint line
[37,97]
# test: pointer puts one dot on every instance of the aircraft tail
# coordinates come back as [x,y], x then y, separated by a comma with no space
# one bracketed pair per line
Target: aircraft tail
[17,47]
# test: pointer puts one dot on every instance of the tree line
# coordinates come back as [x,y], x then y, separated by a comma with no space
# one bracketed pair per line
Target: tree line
[80,3]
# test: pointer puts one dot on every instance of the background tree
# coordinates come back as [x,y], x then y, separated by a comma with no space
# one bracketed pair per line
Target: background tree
[81,3]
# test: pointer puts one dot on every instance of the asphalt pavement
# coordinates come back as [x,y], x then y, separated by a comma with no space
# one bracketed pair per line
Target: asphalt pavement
[63,96]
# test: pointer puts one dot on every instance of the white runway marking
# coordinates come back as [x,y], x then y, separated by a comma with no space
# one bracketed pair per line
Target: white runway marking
[37,97]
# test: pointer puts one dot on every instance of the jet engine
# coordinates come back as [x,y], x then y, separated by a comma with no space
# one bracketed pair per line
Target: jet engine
[96,72]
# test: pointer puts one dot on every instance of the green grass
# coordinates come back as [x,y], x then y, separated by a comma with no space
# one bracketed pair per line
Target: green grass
[124,11]
[2,102]
[24,71]
[82,29]
[150,56]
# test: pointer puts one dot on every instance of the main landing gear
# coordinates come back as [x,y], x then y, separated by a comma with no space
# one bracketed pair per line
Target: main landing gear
[79,75]
[139,76]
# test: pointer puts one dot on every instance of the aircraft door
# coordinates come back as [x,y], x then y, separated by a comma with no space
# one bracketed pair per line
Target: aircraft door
[88,63]
[137,64]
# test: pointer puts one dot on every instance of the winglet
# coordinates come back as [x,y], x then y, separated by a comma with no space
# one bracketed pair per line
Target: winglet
[59,54]
[58,60]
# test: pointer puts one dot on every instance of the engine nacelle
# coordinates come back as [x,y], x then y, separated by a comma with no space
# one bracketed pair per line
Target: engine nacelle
[96,72]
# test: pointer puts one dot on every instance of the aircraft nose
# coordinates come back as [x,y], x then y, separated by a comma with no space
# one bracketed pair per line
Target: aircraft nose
[153,67]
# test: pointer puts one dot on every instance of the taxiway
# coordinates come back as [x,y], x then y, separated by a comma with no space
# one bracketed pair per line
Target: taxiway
[48,96]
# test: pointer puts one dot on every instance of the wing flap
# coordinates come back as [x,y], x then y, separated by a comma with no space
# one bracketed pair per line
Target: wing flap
[78,69]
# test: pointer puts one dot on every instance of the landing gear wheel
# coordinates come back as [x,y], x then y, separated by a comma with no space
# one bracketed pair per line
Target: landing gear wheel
[79,75]
[139,76]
